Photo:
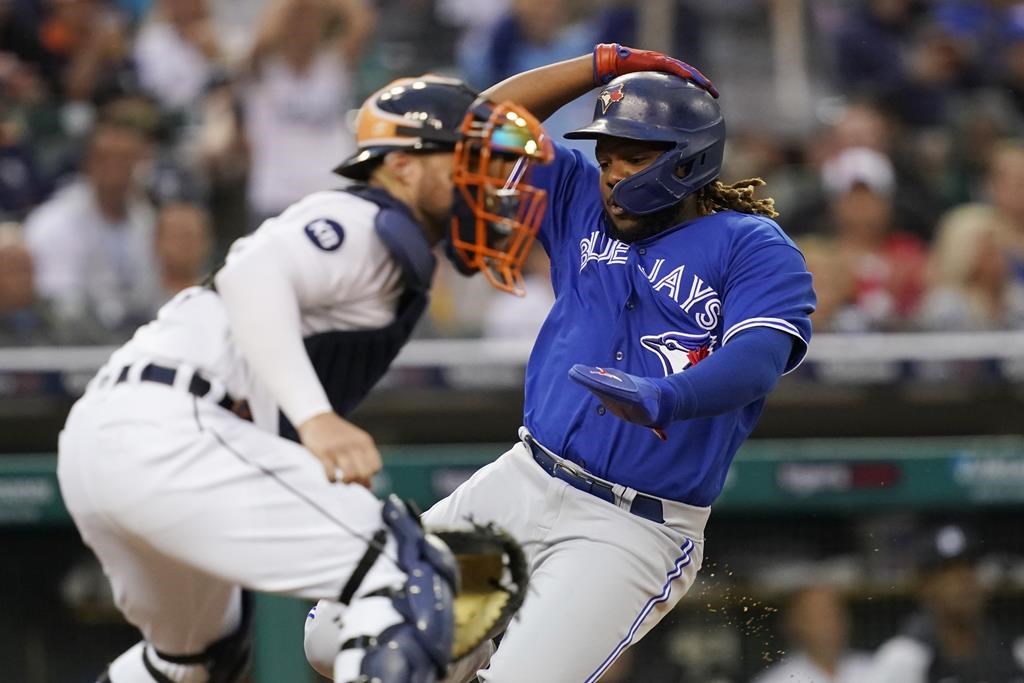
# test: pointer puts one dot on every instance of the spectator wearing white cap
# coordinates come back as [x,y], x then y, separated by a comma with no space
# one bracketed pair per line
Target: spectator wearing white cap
[858,166]
[915,191]
[887,265]
[949,640]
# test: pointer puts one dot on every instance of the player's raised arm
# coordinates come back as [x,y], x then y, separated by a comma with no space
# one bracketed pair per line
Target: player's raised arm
[358,19]
[545,89]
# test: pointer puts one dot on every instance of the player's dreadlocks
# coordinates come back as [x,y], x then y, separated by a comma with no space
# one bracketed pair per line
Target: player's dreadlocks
[717,196]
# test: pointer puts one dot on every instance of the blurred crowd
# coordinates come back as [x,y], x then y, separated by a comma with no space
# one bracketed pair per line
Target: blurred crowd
[139,138]
[948,636]
[949,627]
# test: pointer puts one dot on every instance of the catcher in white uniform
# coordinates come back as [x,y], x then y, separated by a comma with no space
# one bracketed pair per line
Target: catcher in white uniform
[194,465]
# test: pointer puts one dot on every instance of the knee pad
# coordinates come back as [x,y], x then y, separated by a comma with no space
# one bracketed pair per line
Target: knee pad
[417,649]
[320,638]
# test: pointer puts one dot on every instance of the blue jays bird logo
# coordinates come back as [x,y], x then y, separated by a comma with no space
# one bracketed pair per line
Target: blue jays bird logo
[679,350]
[610,96]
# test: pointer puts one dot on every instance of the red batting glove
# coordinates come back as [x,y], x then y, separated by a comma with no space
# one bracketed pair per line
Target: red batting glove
[612,59]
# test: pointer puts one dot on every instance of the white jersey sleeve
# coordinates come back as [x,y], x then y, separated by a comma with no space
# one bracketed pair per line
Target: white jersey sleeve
[319,266]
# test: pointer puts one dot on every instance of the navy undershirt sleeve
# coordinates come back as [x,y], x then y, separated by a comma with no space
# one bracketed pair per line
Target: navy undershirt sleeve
[739,373]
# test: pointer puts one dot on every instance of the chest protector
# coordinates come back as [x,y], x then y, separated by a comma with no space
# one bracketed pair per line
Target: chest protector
[349,363]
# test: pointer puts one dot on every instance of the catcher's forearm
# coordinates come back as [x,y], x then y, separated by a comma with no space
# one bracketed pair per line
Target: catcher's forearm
[545,89]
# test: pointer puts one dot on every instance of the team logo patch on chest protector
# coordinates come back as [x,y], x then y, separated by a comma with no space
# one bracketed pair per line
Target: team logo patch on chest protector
[679,350]
[326,234]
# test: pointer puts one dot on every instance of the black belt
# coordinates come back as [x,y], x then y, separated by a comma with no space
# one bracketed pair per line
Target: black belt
[643,505]
[197,386]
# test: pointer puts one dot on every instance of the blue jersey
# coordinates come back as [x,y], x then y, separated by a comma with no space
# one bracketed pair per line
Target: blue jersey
[653,308]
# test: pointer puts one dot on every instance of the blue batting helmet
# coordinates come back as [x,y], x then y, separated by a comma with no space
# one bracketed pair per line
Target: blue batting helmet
[657,107]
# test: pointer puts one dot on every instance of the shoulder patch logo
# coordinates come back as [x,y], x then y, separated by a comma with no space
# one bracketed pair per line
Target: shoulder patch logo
[325,234]
[610,96]
[679,350]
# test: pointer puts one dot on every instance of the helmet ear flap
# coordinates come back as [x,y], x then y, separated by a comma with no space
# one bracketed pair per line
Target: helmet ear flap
[657,187]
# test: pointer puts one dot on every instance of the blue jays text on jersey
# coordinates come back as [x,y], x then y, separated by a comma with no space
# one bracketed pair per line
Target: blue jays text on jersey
[653,308]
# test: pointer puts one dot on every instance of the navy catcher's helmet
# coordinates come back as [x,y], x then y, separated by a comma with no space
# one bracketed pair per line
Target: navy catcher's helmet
[422,113]
[657,107]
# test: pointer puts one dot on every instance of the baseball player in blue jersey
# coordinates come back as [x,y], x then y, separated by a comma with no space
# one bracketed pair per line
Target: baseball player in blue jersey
[679,304]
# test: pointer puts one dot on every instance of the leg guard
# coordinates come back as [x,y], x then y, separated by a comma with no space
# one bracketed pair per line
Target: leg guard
[417,649]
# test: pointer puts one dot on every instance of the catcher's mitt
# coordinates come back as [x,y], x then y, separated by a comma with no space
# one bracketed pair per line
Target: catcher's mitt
[492,584]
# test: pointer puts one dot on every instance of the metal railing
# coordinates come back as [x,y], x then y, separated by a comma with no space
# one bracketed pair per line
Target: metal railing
[455,353]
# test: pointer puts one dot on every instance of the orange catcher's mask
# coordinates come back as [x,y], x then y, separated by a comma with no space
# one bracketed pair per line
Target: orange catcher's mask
[496,212]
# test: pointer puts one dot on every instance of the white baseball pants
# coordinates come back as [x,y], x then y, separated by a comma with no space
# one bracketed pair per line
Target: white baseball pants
[600,576]
[183,503]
